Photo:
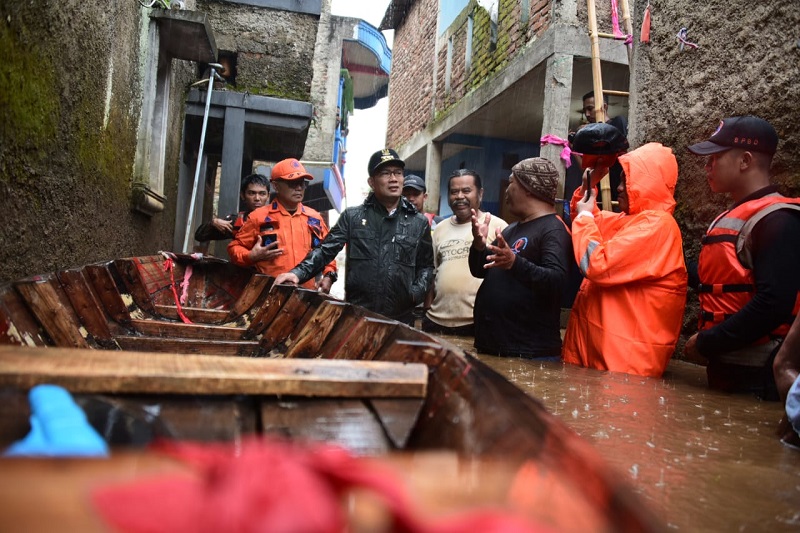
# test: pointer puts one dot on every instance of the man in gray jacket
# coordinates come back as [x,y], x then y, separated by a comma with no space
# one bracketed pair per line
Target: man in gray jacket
[389,266]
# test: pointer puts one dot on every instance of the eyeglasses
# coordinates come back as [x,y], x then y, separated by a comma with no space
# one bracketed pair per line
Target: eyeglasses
[294,184]
[386,173]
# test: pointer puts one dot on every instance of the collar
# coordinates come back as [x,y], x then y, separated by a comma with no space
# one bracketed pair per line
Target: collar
[275,205]
[769,189]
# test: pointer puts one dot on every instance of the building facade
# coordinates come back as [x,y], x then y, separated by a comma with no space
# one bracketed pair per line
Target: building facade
[476,84]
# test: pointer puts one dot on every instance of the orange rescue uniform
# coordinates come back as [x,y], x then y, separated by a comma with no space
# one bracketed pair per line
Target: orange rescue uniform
[297,234]
[628,313]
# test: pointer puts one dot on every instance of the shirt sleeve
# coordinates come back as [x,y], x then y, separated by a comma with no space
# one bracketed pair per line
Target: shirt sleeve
[244,241]
[776,254]
[424,267]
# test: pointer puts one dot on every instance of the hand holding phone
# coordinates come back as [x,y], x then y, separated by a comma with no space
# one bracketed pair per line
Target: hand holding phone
[269,238]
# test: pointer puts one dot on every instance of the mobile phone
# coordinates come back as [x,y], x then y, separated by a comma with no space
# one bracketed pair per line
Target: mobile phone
[269,238]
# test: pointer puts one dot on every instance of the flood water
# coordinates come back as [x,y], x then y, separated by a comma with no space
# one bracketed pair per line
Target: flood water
[702,460]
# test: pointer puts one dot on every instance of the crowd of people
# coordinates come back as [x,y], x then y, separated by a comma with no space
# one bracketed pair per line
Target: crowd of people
[472,274]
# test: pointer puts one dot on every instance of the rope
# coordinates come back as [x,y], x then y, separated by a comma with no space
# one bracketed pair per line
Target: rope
[566,152]
[682,39]
[168,267]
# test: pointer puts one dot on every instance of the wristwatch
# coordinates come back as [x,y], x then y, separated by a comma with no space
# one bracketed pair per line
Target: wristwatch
[333,275]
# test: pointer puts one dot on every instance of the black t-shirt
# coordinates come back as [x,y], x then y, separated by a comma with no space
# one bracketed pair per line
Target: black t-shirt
[517,311]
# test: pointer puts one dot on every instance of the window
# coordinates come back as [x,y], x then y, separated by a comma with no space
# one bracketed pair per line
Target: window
[468,47]
[448,68]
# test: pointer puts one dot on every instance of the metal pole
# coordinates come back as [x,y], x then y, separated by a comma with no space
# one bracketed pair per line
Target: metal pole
[190,219]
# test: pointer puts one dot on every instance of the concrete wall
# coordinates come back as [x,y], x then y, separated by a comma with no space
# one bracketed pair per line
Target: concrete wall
[275,48]
[69,110]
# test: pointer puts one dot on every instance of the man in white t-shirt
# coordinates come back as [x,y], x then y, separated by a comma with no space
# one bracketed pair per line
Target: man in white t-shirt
[454,288]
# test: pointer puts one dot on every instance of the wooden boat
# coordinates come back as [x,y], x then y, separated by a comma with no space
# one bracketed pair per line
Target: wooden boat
[195,348]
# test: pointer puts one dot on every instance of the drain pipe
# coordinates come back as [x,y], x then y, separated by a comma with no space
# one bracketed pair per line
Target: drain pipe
[214,67]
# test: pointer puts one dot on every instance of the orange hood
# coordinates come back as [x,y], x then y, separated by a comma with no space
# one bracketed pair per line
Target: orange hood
[651,173]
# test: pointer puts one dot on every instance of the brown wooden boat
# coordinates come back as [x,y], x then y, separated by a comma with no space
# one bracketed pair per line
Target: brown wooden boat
[193,348]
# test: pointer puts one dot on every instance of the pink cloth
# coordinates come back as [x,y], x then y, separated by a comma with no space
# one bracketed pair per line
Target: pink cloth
[566,153]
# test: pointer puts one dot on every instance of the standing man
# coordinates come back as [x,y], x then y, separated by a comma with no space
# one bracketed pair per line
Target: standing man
[415,191]
[590,113]
[278,235]
[253,194]
[389,255]
[454,287]
[628,314]
[748,283]
[518,306]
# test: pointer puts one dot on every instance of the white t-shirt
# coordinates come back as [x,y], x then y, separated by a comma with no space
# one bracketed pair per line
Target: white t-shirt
[454,286]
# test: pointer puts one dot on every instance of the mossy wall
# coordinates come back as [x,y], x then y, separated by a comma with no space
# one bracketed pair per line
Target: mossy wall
[748,62]
[70,100]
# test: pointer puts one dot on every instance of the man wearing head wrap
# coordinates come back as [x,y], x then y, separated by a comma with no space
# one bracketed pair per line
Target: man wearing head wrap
[518,306]
[628,313]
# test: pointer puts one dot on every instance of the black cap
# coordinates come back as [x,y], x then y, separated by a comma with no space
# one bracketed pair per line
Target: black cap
[599,138]
[383,157]
[415,182]
[750,133]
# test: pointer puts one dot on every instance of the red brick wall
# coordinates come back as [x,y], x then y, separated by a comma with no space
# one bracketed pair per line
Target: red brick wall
[411,82]
[411,86]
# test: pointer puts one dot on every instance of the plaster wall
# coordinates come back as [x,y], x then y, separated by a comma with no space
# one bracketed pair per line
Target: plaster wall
[69,112]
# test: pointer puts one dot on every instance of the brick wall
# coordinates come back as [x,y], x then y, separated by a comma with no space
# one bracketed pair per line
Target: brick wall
[411,83]
[414,100]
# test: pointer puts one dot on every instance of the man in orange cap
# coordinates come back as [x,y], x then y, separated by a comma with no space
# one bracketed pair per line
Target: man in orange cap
[279,235]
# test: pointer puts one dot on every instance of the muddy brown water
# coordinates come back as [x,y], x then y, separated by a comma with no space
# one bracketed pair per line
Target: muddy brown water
[702,460]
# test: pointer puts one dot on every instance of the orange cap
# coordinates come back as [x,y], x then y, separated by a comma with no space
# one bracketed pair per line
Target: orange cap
[288,170]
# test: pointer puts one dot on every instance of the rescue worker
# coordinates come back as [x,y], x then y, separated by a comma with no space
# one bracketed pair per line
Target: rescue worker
[278,235]
[389,254]
[747,269]
[628,313]
[253,194]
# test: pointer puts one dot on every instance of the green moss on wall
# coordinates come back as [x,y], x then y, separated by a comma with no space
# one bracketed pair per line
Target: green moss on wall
[29,98]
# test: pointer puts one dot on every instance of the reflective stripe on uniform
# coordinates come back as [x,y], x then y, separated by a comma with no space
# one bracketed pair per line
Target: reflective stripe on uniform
[585,259]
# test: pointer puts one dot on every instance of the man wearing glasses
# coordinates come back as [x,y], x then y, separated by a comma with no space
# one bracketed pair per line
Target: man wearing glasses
[389,253]
[280,234]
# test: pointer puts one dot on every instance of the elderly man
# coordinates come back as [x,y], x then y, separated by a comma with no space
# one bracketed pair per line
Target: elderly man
[454,288]
[749,289]
[278,235]
[389,254]
[628,314]
[518,306]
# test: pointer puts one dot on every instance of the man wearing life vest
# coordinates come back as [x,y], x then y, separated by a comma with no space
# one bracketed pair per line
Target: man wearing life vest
[280,234]
[748,267]
[628,314]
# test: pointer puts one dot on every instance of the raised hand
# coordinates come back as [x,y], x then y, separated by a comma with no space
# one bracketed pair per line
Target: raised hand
[502,256]
[480,230]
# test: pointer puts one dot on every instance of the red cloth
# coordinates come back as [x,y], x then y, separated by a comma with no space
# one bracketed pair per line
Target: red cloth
[275,487]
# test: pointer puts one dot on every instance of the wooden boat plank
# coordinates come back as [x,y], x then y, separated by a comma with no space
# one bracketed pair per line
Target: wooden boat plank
[256,289]
[195,314]
[102,282]
[362,341]
[278,295]
[187,346]
[17,323]
[127,271]
[349,423]
[52,309]
[284,324]
[159,328]
[398,417]
[315,327]
[86,305]
[133,372]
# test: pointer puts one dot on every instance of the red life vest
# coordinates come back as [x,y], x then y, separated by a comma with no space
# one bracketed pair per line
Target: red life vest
[725,265]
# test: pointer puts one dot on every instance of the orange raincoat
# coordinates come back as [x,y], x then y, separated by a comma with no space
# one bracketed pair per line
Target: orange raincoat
[628,313]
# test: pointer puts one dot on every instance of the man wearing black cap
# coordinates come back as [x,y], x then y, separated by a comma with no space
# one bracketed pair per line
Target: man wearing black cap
[415,191]
[747,270]
[389,255]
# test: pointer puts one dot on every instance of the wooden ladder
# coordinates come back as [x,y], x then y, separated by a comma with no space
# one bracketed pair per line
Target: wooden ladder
[597,78]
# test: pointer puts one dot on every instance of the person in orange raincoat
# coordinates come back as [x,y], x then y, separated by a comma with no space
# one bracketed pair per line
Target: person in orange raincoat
[628,313]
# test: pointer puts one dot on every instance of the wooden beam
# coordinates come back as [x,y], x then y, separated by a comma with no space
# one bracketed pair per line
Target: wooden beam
[130,372]
[179,330]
